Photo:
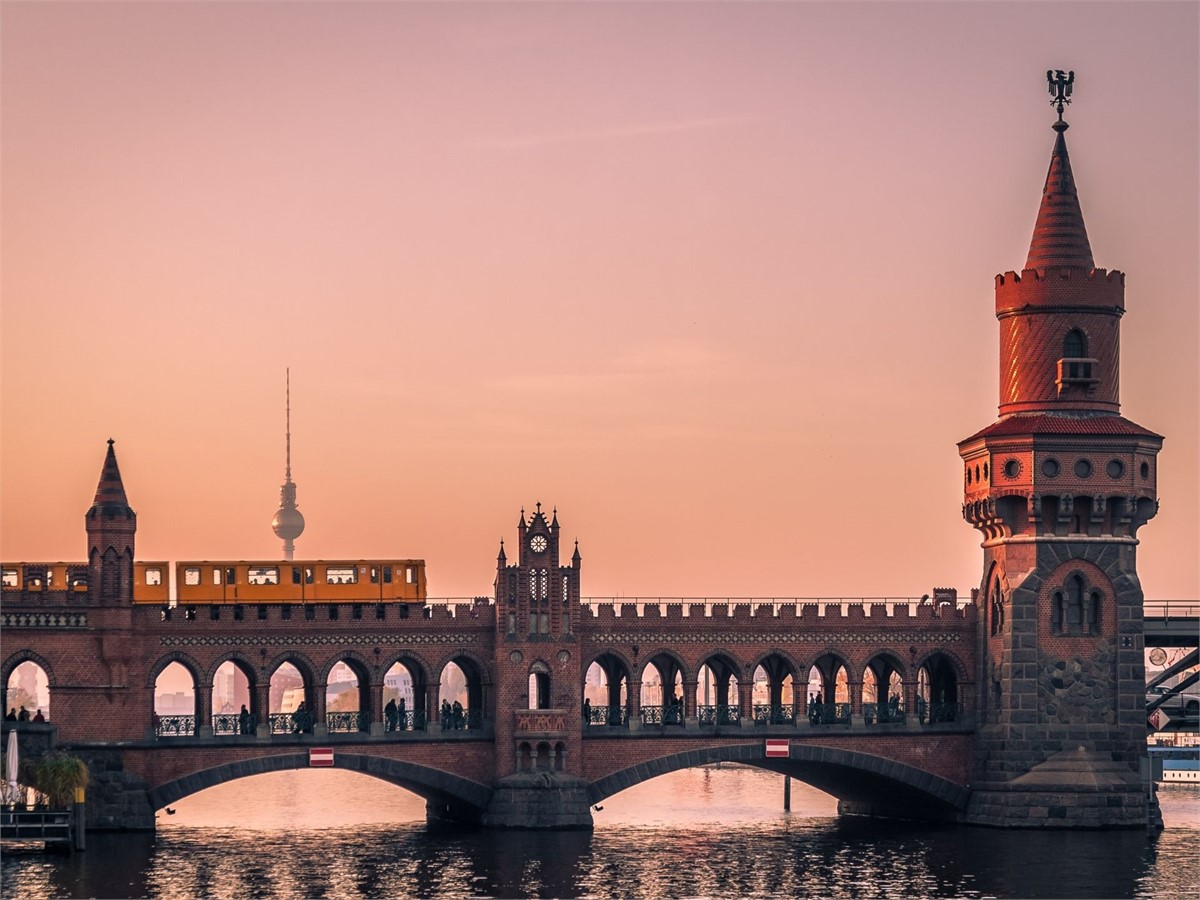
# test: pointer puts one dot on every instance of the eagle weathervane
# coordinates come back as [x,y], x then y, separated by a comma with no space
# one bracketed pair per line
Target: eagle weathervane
[1061,84]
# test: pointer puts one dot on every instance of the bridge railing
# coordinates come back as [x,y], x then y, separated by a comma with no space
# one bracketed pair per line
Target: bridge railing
[607,715]
[829,713]
[765,714]
[934,713]
[174,726]
[466,719]
[347,722]
[719,714]
[290,723]
[410,720]
[668,714]
[883,713]
[231,723]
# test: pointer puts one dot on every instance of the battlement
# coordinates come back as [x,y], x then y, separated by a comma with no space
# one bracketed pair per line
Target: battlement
[1061,273]
[944,606]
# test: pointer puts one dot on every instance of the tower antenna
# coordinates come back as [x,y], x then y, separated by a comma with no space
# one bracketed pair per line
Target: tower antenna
[288,523]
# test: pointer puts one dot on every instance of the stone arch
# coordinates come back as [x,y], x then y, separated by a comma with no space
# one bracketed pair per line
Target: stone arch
[176,656]
[639,668]
[17,657]
[851,776]
[248,666]
[960,670]
[359,664]
[435,785]
[793,666]
[302,663]
[608,651]
[416,666]
[483,665]
[727,657]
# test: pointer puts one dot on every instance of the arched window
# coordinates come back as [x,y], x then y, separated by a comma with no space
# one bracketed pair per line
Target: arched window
[997,608]
[175,702]
[28,692]
[539,686]
[1074,345]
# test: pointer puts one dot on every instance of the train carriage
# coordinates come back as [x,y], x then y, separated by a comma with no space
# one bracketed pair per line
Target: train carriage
[300,581]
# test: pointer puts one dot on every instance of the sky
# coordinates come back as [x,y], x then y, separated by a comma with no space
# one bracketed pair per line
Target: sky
[715,280]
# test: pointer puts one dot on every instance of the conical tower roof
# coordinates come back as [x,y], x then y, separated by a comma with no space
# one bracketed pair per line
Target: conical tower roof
[1059,235]
[111,490]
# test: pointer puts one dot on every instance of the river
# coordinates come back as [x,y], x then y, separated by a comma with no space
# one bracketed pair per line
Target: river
[707,832]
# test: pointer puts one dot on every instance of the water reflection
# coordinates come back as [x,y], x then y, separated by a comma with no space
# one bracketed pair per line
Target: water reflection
[703,832]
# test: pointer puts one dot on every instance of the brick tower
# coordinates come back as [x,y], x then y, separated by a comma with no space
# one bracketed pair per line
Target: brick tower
[1059,487]
[538,684]
[111,526]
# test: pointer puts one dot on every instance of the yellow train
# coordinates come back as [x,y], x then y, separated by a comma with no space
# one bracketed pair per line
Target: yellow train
[299,581]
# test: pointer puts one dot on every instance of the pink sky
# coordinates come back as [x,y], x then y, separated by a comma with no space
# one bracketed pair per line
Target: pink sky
[714,279]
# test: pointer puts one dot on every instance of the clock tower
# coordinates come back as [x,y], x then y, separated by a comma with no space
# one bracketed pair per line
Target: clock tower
[539,678]
[1059,487]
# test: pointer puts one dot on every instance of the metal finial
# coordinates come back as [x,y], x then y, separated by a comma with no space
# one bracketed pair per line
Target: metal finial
[1061,84]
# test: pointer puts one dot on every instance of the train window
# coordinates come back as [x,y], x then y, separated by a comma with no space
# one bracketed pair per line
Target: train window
[379,610]
[216,575]
[408,575]
[191,577]
[238,613]
[356,611]
[310,613]
[341,575]
[214,613]
[11,579]
[285,611]
[387,574]
[263,575]
[308,576]
[231,575]
[295,574]
[333,612]
[262,613]
[154,576]
[374,575]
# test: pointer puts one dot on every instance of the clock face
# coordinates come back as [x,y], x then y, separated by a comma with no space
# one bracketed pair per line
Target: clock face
[537,543]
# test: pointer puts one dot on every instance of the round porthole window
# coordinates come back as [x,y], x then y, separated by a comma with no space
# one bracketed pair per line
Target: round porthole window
[1050,468]
[1012,468]
[1083,469]
[1115,468]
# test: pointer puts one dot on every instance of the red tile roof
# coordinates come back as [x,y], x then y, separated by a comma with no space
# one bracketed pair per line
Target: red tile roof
[1047,424]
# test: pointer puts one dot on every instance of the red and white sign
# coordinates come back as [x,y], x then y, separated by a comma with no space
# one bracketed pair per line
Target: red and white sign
[320,756]
[778,748]
[1158,719]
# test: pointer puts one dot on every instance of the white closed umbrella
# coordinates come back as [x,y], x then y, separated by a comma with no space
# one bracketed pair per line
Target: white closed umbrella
[12,761]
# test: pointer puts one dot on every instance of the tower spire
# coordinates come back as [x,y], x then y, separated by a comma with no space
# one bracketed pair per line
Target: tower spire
[288,523]
[1059,235]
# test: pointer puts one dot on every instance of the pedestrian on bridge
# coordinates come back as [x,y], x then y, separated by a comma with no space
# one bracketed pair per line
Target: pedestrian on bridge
[390,715]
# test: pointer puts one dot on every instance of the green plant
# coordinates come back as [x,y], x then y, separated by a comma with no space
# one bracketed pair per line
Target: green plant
[57,776]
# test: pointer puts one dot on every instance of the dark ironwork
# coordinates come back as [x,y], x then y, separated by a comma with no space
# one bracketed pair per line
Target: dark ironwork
[607,715]
[233,723]
[883,713]
[291,723]
[174,726]
[1061,86]
[933,713]
[410,720]
[765,714]
[829,713]
[718,715]
[347,722]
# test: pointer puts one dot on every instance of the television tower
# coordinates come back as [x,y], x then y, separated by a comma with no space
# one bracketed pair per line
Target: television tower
[288,522]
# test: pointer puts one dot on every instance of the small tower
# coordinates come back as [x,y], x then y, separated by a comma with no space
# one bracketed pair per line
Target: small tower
[538,683]
[111,525]
[288,523]
[1059,487]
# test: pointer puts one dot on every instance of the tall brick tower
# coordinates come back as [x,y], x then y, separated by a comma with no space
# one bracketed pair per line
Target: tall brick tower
[111,526]
[1059,487]
[539,675]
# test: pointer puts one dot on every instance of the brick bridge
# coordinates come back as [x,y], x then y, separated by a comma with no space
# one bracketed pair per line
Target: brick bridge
[1026,708]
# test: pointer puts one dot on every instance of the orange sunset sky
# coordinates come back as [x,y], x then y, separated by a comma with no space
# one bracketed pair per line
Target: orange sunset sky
[714,279]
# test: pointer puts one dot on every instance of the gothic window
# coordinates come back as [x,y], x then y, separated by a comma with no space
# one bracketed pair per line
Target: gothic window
[997,608]
[1056,609]
[1074,345]
[543,585]
[1074,609]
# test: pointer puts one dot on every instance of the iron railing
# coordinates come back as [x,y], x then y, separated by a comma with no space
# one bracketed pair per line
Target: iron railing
[233,723]
[291,723]
[607,715]
[933,713]
[462,719]
[718,715]
[882,713]
[174,726]
[347,722]
[410,720]
[829,713]
[765,714]
[668,714]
